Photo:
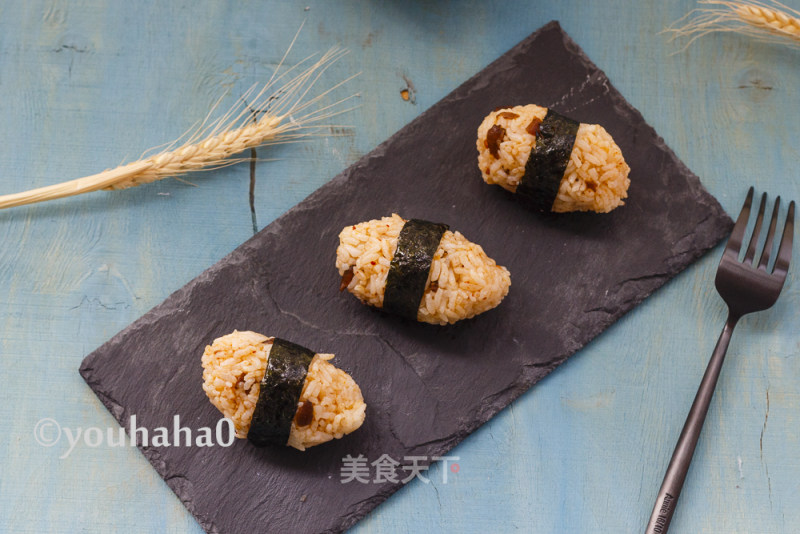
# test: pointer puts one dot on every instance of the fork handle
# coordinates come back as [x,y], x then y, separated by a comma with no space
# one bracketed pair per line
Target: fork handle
[684,450]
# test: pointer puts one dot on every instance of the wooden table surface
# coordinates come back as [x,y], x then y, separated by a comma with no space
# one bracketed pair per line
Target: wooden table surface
[85,85]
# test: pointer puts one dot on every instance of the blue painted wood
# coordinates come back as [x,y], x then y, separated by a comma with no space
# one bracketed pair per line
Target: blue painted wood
[88,84]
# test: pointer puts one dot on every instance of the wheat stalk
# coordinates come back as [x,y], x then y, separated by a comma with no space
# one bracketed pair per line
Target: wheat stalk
[767,21]
[288,113]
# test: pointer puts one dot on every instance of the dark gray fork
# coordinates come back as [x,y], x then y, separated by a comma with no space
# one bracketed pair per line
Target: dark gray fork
[746,287]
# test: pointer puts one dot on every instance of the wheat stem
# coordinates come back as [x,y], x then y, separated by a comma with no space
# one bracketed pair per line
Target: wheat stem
[768,20]
[285,117]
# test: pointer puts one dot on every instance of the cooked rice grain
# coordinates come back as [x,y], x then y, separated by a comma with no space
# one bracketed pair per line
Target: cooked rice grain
[233,366]
[463,281]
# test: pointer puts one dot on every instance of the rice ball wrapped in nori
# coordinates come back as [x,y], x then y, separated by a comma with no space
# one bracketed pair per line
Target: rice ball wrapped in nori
[276,392]
[551,162]
[419,270]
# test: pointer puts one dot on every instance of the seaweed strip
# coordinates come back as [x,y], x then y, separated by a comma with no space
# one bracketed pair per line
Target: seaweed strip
[411,263]
[281,386]
[545,167]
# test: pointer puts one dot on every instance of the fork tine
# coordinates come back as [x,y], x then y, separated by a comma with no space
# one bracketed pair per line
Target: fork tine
[735,240]
[762,263]
[785,250]
[751,249]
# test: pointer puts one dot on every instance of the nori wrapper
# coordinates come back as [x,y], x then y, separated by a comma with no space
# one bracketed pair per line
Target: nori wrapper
[281,386]
[545,168]
[408,272]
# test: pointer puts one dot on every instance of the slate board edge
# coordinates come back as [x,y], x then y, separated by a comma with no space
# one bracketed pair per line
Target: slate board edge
[501,400]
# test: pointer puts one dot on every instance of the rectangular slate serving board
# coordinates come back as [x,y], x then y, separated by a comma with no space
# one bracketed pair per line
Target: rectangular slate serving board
[426,387]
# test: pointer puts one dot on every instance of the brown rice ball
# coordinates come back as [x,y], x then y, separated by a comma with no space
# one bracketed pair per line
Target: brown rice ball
[233,366]
[463,280]
[596,177]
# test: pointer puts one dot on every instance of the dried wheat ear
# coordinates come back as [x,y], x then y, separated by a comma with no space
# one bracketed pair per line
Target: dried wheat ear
[766,21]
[281,111]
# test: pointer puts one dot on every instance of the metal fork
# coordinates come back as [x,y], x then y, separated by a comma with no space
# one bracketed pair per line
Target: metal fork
[746,287]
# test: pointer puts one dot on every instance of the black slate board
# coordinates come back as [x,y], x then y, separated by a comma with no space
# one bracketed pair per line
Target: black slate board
[426,387]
